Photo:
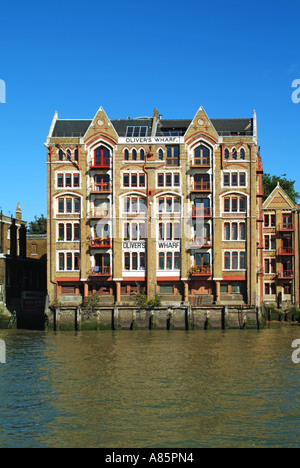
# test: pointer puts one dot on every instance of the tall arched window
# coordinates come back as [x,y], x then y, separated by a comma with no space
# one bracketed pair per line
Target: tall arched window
[202,156]
[102,157]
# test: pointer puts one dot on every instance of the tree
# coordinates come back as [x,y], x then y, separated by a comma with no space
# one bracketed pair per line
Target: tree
[38,226]
[270,183]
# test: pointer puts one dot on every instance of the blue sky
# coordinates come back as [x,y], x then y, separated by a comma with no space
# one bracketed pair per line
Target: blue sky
[131,57]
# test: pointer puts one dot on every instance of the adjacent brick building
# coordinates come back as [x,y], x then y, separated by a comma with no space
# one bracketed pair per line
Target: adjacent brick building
[171,206]
[280,249]
[18,271]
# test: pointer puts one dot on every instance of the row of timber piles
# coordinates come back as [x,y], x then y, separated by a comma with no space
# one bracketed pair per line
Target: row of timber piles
[160,318]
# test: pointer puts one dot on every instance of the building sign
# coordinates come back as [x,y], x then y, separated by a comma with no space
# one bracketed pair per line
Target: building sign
[161,245]
[151,140]
[168,245]
[129,245]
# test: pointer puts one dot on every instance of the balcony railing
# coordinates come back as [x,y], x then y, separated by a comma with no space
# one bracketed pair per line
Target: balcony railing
[99,243]
[201,162]
[100,214]
[198,242]
[286,251]
[201,212]
[286,227]
[100,271]
[101,164]
[204,270]
[104,187]
[286,274]
[173,162]
[260,165]
[260,189]
[201,187]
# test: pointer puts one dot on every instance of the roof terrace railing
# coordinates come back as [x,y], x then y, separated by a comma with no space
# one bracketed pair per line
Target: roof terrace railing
[231,133]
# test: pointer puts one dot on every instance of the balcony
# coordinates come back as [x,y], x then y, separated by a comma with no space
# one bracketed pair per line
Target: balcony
[285,274]
[201,242]
[99,214]
[201,187]
[260,189]
[100,163]
[259,166]
[100,243]
[100,271]
[104,187]
[201,212]
[173,162]
[286,227]
[201,163]
[204,270]
[286,251]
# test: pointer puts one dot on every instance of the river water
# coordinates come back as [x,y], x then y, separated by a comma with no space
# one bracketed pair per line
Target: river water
[150,389]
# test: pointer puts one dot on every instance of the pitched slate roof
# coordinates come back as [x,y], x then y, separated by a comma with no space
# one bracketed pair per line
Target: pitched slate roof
[233,125]
[78,128]
[70,128]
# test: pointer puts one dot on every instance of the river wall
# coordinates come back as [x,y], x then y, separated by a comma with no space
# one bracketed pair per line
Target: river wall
[158,318]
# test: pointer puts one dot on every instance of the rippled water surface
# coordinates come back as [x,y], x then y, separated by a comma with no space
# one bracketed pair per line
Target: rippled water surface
[156,389]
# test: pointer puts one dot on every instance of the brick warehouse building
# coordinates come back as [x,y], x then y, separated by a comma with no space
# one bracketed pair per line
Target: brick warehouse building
[172,206]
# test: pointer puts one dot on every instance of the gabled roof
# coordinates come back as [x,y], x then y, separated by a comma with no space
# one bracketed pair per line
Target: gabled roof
[278,199]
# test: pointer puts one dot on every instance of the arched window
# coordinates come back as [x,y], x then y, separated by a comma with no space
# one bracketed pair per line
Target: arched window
[234,154]
[126,155]
[202,156]
[134,155]
[160,154]
[242,153]
[226,154]
[101,157]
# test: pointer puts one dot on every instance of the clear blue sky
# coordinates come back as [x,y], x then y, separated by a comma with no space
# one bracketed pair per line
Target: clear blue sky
[132,56]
